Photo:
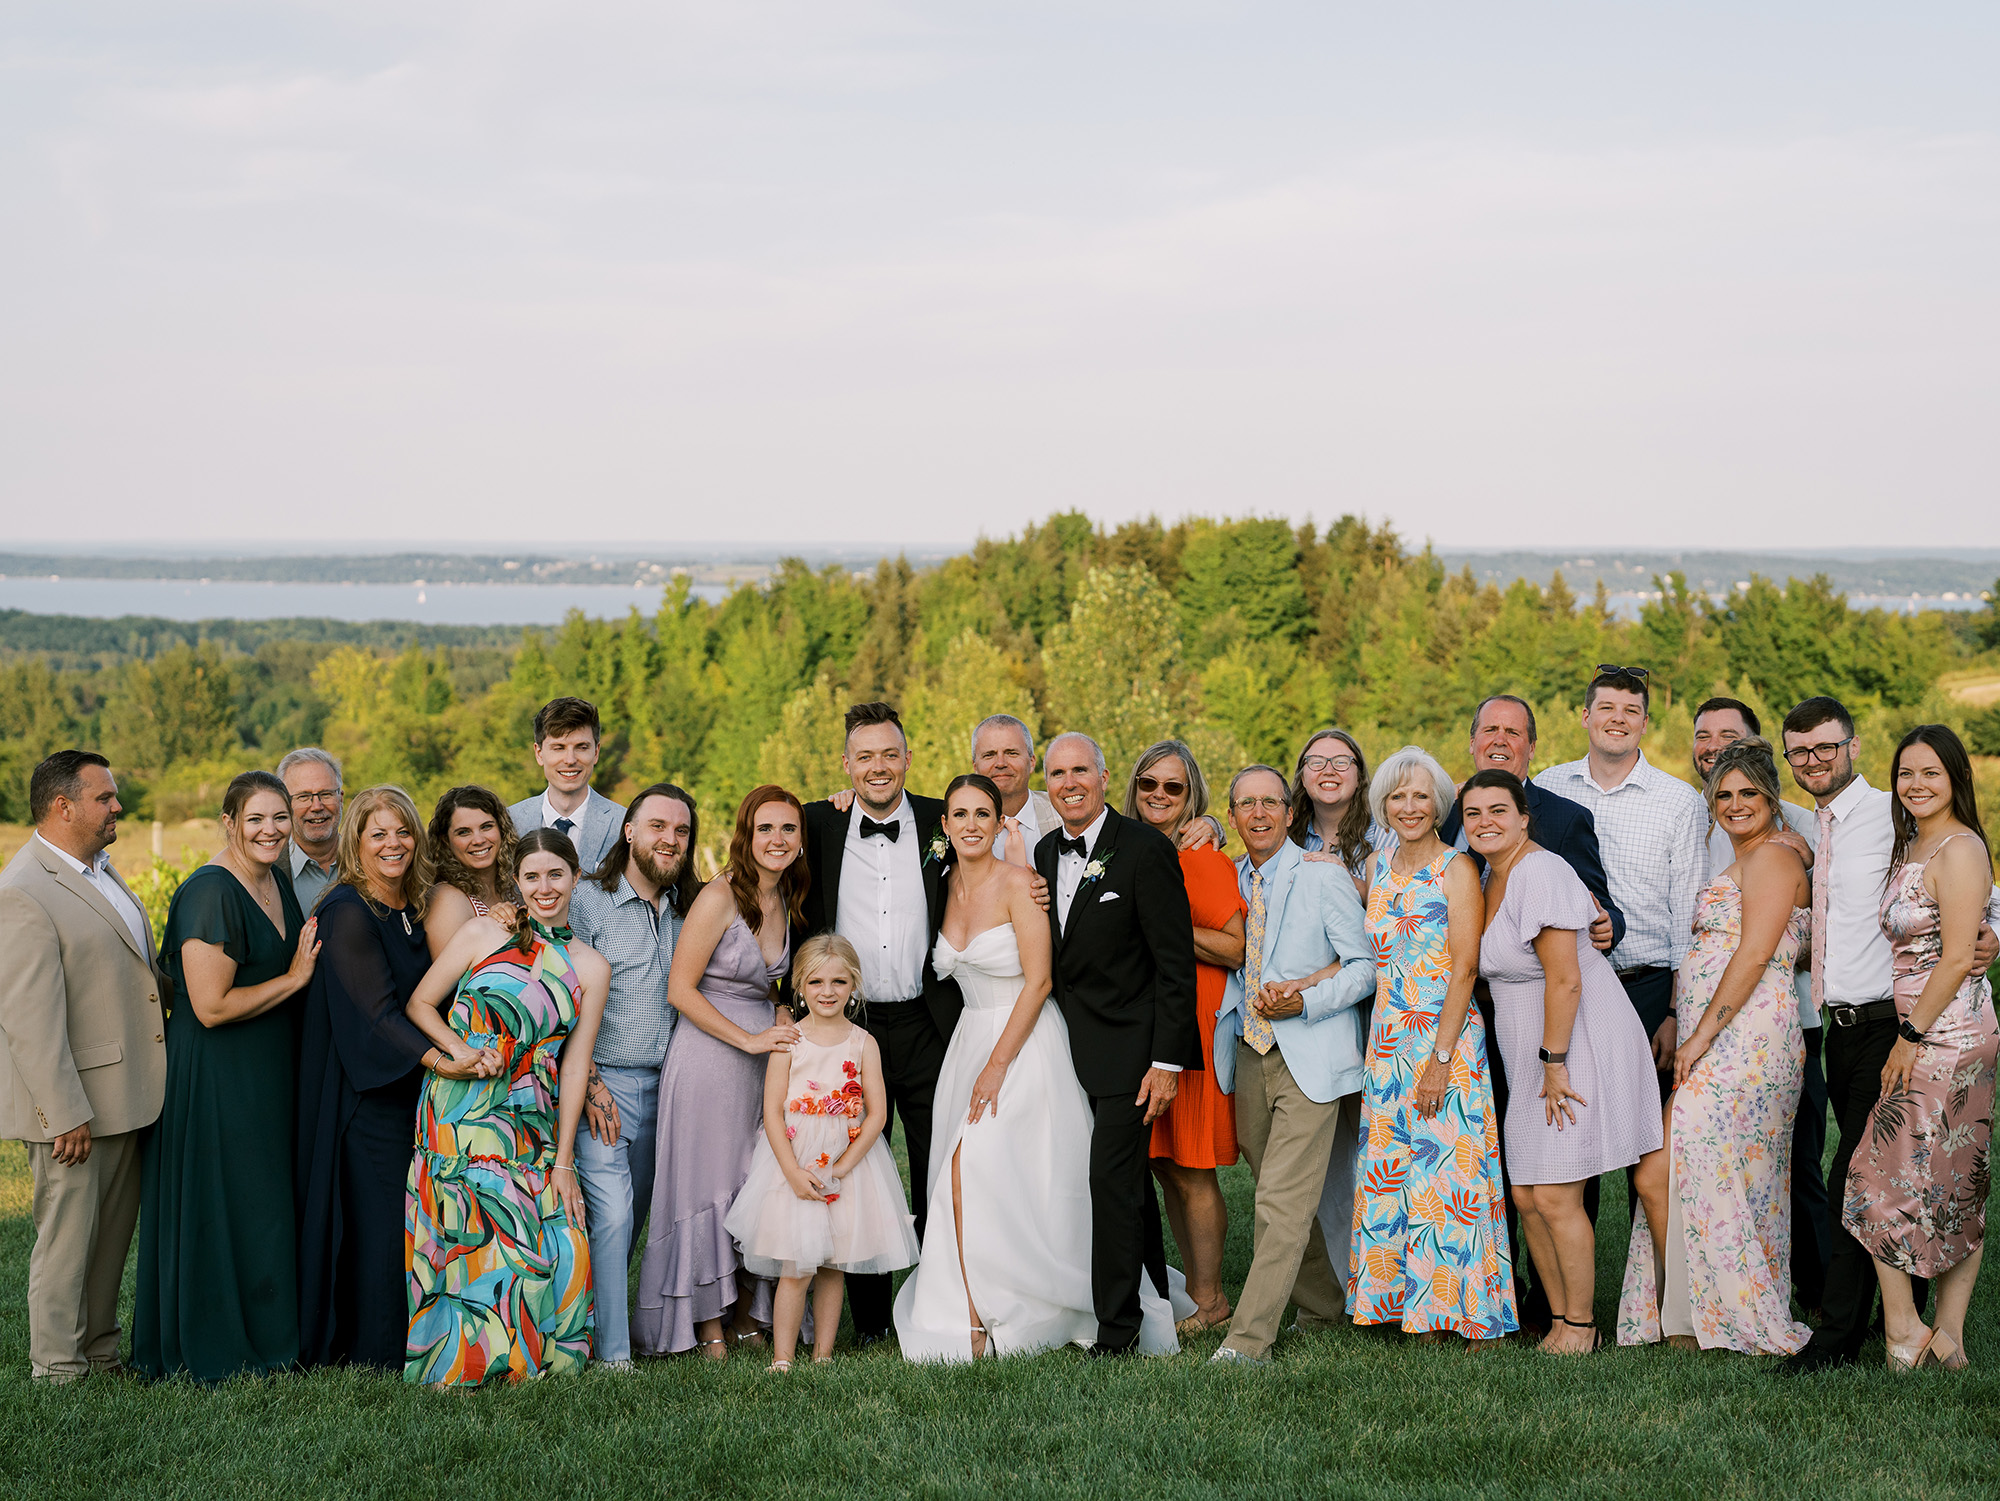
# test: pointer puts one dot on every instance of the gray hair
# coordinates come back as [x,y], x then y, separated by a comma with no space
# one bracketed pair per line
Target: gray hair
[309,755]
[1409,764]
[1153,755]
[1096,750]
[1284,782]
[1009,722]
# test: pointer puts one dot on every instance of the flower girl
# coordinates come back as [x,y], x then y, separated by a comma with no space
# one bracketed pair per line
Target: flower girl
[823,1197]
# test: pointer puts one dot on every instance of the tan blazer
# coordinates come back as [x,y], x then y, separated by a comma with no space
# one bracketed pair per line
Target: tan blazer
[80,1012]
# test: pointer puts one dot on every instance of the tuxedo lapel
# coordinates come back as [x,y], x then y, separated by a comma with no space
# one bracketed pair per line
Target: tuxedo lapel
[1087,890]
[832,850]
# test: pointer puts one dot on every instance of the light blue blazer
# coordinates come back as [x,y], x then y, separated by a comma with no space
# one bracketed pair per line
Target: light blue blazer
[1312,917]
[600,825]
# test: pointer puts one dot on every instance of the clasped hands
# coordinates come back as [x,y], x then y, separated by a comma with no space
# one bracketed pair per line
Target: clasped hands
[463,1061]
[1277,999]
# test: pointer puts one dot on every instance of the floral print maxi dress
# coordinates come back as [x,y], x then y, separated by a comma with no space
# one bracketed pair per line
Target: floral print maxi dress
[1729,1177]
[1916,1193]
[1430,1219]
[499,1278]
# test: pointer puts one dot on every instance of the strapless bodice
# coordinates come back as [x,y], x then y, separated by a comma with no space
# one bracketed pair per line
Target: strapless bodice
[988,968]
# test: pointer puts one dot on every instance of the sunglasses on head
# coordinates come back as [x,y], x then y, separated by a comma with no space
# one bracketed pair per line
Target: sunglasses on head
[1154,784]
[1607,669]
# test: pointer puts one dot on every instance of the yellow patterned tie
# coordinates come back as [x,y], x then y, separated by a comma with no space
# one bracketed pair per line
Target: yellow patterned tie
[1256,1031]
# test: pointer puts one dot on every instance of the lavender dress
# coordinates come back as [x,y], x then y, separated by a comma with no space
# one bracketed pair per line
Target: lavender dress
[1610,1061]
[711,1114]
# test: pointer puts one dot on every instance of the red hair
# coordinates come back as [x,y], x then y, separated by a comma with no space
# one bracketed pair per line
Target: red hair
[743,865]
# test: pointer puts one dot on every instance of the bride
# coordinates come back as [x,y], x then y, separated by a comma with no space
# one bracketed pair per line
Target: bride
[1008,1270]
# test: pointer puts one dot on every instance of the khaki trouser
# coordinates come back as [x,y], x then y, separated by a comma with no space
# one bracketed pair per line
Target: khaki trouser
[84,1216]
[1287,1139]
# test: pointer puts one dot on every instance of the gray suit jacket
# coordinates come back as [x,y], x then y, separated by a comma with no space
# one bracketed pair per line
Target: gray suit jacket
[600,824]
[81,1021]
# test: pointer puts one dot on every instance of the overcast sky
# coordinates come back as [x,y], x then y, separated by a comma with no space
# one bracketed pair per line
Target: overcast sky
[1530,274]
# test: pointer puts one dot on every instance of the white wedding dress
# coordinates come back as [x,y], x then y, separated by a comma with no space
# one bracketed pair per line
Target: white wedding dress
[1024,1179]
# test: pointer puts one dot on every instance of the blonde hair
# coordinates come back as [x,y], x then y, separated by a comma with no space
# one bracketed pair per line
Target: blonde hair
[815,954]
[421,875]
[1411,764]
[1751,755]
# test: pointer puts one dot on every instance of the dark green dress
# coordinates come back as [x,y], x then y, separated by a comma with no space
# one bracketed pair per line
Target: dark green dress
[218,1279]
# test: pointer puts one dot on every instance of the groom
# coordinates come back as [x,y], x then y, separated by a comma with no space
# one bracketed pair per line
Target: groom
[1124,977]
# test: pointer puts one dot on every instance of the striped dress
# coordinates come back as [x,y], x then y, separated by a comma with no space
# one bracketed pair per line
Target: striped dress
[499,1278]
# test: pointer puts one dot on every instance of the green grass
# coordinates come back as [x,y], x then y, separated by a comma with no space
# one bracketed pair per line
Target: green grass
[1348,1413]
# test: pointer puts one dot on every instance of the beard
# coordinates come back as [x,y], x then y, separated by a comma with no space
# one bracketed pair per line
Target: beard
[661,870]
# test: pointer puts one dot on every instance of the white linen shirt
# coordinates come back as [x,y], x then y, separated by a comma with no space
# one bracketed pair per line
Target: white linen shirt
[98,873]
[1069,876]
[1860,966]
[882,908]
[1652,829]
[1722,855]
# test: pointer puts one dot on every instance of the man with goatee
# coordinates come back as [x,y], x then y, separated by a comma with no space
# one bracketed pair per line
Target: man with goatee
[630,910]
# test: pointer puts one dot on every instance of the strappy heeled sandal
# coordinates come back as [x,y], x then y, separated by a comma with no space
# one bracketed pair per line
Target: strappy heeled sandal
[717,1343]
[777,1368]
[1908,1357]
[982,1332]
[1596,1335]
[1943,1352]
[753,1340]
[1200,1322]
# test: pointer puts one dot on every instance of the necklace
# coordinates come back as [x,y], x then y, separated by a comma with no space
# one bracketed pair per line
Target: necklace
[250,883]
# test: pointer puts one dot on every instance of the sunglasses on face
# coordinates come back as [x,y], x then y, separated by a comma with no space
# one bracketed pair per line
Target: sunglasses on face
[1154,784]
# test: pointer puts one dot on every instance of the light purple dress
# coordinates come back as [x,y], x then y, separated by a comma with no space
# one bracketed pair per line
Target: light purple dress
[1610,1061]
[711,1115]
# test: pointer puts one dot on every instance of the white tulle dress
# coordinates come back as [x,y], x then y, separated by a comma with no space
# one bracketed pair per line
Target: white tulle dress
[865,1225]
[1024,1177]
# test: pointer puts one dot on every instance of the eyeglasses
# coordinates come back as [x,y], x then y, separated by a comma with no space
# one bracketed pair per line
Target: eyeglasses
[329,798]
[1326,763]
[1154,784]
[1608,668]
[1260,805]
[1800,755]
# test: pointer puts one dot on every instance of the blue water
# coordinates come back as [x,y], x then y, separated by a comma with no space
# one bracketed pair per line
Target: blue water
[434,604]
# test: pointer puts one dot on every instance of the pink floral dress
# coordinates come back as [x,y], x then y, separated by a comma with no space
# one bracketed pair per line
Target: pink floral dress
[1916,1193]
[1729,1185]
[864,1225]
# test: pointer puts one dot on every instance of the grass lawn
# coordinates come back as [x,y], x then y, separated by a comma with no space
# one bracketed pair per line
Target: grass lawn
[1351,1413]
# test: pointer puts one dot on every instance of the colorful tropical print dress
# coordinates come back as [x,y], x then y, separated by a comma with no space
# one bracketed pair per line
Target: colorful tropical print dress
[1430,1219]
[499,1278]
[1729,1139]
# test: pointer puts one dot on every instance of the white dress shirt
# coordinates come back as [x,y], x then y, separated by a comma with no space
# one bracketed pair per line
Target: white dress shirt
[882,908]
[98,873]
[1652,829]
[1030,820]
[1069,876]
[1860,966]
[1722,855]
[550,813]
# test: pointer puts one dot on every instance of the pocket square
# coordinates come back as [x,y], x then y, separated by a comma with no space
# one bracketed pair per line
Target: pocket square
[1109,896]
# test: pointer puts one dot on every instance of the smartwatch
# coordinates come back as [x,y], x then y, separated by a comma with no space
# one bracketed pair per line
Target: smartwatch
[1909,1033]
[1548,1057]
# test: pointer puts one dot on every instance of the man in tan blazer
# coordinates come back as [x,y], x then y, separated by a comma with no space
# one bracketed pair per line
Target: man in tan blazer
[85,1062]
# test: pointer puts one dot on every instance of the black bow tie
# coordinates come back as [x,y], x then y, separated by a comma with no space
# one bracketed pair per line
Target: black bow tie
[889,830]
[1072,846]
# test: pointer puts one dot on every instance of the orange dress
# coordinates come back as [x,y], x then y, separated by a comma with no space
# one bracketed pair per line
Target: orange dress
[1199,1128]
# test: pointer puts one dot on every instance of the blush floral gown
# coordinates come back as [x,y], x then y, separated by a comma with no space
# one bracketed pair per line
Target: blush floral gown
[1430,1221]
[1729,1183]
[499,1277]
[1916,1193]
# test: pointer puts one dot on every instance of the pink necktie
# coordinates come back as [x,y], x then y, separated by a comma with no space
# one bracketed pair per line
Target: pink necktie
[1822,884]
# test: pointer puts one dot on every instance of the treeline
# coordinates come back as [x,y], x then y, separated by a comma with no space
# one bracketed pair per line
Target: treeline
[1238,635]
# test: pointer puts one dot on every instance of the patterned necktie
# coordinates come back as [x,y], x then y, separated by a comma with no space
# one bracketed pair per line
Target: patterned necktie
[1822,885]
[1256,1030]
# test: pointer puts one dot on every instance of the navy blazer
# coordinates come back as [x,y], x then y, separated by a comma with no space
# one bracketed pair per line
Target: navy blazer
[1562,828]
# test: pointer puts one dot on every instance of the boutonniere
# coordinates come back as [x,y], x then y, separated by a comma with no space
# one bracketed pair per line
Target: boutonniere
[940,847]
[1094,871]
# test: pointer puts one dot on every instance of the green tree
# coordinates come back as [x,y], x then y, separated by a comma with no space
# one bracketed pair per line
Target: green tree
[179,707]
[1246,568]
[1677,640]
[941,707]
[1115,670]
[803,753]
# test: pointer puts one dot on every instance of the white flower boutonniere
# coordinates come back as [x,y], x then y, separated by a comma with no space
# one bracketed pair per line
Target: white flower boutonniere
[1092,872]
[940,847]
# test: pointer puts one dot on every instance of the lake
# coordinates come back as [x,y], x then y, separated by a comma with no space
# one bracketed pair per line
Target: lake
[434,604]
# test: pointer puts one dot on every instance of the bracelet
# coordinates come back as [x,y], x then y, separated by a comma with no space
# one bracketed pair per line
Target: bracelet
[563,1167]
[1909,1033]
[1548,1057]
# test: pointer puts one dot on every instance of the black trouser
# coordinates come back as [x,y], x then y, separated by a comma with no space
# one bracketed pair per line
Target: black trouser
[1854,1059]
[1651,992]
[1125,1233]
[912,1054]
[371,1291]
[1812,1236]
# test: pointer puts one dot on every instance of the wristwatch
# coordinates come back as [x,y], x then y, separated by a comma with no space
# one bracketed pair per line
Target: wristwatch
[1442,1055]
[1548,1057]
[1909,1033]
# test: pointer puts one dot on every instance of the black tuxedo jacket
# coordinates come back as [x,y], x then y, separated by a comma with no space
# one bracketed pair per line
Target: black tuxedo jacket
[826,847]
[1562,828]
[1124,966]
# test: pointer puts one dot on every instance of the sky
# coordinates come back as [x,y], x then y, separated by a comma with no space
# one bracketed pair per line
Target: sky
[1520,275]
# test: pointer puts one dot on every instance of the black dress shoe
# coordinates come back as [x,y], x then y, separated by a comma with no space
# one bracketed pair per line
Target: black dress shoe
[1814,1357]
[1112,1352]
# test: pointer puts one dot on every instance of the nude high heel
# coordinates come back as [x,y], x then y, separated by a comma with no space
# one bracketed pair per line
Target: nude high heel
[1944,1352]
[1909,1357]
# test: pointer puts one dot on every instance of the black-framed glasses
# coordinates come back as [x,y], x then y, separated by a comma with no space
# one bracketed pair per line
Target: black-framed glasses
[1605,668]
[1154,784]
[1323,763]
[1824,754]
